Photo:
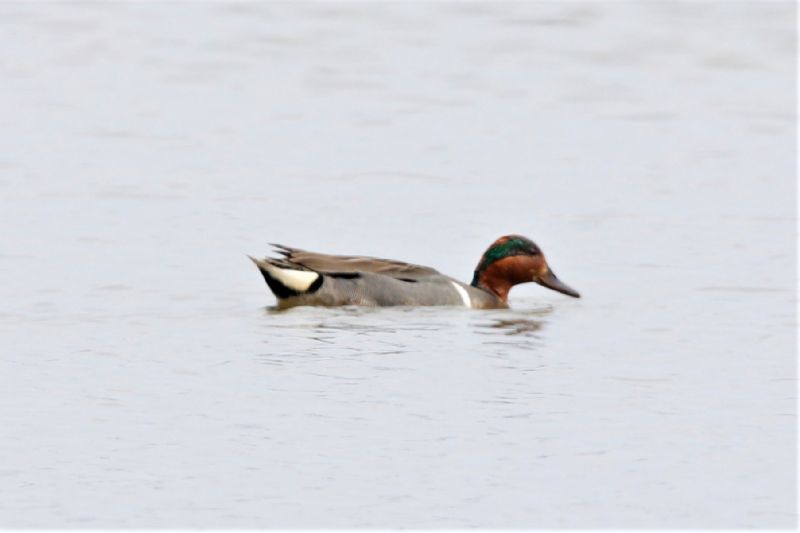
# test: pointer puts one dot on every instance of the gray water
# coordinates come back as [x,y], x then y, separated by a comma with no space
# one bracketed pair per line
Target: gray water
[649,149]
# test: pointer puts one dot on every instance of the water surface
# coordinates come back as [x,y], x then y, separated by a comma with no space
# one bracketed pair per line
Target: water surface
[648,149]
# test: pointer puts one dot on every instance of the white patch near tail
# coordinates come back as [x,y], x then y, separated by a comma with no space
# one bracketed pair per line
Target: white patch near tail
[463,293]
[297,280]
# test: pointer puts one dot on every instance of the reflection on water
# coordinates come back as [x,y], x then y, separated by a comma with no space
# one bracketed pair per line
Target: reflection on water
[649,148]
[518,326]
[404,320]
[524,326]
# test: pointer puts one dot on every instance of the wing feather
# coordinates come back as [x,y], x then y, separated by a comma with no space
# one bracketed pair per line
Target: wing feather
[327,263]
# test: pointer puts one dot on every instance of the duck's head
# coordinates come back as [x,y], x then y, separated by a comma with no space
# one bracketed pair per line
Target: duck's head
[515,259]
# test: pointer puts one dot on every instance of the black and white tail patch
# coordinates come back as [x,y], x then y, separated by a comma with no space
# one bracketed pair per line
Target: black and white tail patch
[288,282]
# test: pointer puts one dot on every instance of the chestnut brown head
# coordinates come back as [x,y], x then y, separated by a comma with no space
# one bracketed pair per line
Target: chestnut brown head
[515,259]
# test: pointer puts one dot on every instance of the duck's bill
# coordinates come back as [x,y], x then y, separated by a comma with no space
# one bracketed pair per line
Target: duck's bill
[550,281]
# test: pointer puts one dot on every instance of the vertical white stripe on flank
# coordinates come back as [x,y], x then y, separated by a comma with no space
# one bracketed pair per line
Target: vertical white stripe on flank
[463,293]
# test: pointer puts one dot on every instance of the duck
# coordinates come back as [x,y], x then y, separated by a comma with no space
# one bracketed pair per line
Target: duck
[302,278]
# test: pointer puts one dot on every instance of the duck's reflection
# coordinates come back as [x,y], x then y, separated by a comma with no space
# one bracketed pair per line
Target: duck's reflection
[525,324]
[371,321]
[517,326]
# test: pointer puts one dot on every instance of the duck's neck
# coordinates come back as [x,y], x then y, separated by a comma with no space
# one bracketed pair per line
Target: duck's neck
[500,276]
[497,287]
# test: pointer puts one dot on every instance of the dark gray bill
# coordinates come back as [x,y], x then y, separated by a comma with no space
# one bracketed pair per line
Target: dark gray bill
[550,281]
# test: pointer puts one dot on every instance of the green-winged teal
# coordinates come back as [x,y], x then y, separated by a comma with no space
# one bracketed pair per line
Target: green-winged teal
[308,278]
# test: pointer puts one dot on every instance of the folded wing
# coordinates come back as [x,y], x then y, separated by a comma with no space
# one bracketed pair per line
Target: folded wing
[326,263]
